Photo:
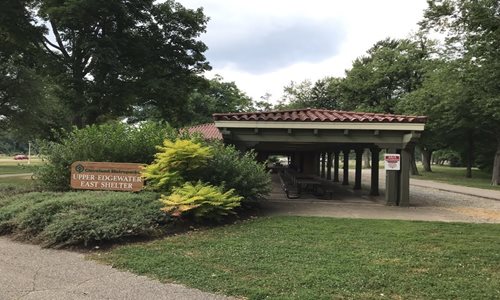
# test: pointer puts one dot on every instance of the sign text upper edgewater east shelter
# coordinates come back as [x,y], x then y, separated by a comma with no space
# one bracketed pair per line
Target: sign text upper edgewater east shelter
[88,175]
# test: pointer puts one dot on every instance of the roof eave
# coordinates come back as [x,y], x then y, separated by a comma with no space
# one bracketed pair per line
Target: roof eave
[398,126]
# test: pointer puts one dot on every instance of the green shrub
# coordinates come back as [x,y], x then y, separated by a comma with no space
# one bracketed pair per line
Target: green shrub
[33,220]
[200,202]
[11,207]
[175,162]
[215,163]
[61,219]
[112,142]
[235,170]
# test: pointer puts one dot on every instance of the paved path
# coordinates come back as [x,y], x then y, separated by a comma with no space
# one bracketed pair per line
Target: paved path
[29,272]
[15,175]
[374,211]
[458,189]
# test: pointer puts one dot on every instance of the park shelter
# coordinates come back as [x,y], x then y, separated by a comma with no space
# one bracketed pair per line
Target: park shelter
[317,139]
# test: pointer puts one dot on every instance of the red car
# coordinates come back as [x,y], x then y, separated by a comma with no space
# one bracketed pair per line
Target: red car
[20,157]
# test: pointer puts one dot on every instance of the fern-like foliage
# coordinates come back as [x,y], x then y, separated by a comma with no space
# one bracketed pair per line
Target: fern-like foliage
[175,163]
[200,201]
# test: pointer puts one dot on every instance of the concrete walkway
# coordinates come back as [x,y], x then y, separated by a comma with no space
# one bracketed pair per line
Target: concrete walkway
[321,208]
[29,272]
[16,175]
[458,189]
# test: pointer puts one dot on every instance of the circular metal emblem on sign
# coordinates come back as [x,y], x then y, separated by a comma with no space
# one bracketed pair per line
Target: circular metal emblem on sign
[79,168]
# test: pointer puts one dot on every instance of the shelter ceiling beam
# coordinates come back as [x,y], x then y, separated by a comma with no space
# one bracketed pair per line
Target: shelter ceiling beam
[392,140]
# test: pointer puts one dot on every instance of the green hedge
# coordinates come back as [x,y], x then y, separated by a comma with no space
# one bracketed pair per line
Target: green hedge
[235,170]
[74,218]
[113,142]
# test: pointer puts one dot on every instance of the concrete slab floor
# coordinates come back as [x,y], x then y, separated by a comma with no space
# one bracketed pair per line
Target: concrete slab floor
[427,203]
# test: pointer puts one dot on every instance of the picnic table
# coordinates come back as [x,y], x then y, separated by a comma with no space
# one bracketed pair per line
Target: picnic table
[316,184]
[307,181]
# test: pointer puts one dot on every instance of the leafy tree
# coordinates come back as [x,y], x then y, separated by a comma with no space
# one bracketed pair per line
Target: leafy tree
[28,104]
[391,69]
[218,97]
[108,57]
[29,107]
[444,98]
[325,93]
[264,104]
[472,29]
[297,95]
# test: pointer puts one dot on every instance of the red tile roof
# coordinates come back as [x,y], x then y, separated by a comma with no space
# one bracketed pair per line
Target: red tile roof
[208,131]
[318,115]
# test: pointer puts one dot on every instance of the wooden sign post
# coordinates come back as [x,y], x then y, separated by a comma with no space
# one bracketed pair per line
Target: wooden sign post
[109,176]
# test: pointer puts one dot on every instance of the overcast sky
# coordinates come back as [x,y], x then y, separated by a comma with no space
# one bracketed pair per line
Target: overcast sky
[263,45]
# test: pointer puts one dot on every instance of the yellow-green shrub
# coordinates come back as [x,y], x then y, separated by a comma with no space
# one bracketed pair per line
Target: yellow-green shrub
[200,201]
[175,162]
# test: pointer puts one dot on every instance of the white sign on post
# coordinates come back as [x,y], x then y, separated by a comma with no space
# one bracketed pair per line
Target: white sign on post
[392,162]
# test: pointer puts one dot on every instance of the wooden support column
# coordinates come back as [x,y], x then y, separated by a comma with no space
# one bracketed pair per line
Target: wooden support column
[374,191]
[292,159]
[391,184]
[329,166]
[336,166]
[317,165]
[261,156]
[345,178]
[359,165]
[323,165]
[404,180]
[301,159]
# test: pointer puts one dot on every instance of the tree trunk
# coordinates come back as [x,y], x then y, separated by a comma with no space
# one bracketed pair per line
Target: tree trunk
[413,163]
[495,177]
[470,156]
[426,159]
[367,159]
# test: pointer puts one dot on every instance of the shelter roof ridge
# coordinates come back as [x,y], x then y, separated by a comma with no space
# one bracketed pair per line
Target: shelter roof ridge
[317,115]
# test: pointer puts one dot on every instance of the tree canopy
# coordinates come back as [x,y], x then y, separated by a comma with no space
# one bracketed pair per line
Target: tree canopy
[454,82]
[472,44]
[218,96]
[108,57]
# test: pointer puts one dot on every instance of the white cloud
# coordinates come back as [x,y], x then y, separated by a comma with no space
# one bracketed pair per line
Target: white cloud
[318,38]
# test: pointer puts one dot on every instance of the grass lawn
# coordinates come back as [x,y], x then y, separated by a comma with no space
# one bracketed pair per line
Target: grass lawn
[13,185]
[456,176]
[11,166]
[326,258]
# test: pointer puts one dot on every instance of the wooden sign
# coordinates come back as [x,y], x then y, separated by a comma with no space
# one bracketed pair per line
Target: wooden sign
[87,175]
[392,162]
